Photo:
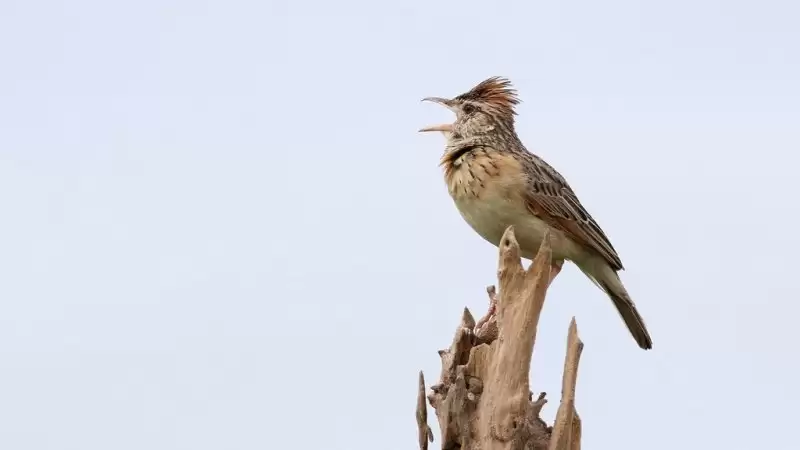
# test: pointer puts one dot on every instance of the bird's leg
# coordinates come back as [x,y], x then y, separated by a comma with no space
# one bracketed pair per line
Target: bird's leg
[555,269]
[482,328]
[491,312]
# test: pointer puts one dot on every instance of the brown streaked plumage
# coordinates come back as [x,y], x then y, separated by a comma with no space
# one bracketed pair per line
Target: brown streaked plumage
[496,182]
[495,92]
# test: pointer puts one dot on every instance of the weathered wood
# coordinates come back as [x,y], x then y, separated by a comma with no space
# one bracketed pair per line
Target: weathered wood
[425,432]
[483,399]
[566,431]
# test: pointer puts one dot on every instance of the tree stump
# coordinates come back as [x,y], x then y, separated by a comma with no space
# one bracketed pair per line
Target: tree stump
[483,399]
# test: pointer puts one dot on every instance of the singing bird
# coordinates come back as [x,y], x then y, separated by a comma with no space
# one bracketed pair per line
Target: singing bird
[496,182]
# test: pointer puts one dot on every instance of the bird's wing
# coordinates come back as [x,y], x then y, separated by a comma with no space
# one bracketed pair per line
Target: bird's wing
[550,198]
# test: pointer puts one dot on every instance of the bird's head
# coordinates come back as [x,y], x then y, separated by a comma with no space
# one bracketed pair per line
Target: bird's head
[487,107]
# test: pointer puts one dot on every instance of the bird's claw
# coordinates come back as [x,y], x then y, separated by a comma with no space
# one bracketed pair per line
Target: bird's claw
[482,328]
[555,269]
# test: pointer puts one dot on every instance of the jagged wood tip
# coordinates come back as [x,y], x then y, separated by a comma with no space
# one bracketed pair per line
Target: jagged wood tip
[425,432]
[566,431]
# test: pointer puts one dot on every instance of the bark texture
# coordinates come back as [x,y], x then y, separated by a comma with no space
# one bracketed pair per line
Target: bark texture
[483,399]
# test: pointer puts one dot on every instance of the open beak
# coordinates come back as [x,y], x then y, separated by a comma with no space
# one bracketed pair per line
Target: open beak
[445,127]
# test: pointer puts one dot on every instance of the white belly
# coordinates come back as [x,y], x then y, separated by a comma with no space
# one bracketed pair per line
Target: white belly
[490,218]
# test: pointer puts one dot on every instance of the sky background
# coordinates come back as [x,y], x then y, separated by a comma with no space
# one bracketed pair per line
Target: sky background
[222,230]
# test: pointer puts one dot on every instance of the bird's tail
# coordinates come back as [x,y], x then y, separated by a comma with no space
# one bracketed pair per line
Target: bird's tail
[608,280]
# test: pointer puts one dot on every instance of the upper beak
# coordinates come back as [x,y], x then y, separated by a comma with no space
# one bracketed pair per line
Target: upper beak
[439,100]
[445,127]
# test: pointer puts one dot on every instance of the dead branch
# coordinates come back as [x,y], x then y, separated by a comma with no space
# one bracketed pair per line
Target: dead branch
[483,399]
[425,432]
[566,431]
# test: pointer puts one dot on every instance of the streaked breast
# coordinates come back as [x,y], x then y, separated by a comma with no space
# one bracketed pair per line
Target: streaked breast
[488,190]
[486,187]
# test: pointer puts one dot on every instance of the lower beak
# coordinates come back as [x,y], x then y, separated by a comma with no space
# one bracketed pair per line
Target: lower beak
[444,128]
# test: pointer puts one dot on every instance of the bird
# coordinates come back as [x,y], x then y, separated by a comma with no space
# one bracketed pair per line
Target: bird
[495,182]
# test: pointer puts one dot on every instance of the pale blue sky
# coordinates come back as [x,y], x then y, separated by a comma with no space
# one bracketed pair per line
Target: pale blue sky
[221,229]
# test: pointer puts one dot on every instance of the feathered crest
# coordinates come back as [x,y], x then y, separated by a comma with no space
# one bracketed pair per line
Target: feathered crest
[496,92]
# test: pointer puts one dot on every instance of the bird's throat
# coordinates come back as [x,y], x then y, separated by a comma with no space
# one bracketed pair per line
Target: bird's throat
[451,156]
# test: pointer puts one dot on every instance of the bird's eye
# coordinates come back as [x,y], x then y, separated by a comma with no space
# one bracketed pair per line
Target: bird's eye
[468,108]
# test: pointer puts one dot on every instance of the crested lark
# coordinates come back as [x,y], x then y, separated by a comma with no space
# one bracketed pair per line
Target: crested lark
[495,182]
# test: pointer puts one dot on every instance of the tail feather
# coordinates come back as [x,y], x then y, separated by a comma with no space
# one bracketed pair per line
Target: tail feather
[631,317]
[608,280]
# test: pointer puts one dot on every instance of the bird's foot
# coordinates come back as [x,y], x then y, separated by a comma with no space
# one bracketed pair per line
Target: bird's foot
[486,328]
[555,269]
